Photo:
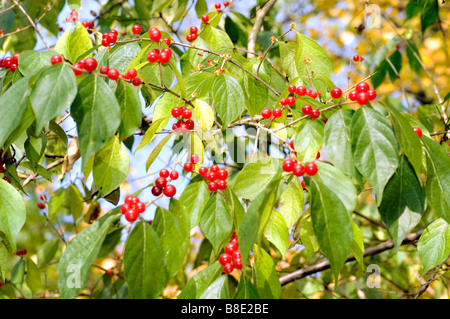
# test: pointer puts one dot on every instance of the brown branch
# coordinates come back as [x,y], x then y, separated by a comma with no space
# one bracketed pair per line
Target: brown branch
[387,245]
[260,15]
[32,23]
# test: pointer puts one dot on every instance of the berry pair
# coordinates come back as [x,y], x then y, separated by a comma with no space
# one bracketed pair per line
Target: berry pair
[21,252]
[290,100]
[185,123]
[109,38]
[132,208]
[162,56]
[11,63]
[362,93]
[358,58]
[192,36]
[162,186]
[88,64]
[231,258]
[89,26]
[73,17]
[292,165]
[308,110]
[268,113]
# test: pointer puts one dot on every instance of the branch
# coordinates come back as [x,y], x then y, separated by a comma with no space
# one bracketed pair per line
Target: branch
[260,15]
[387,245]
[32,23]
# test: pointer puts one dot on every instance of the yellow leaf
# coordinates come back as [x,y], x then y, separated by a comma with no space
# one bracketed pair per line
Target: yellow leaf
[204,114]
[281,133]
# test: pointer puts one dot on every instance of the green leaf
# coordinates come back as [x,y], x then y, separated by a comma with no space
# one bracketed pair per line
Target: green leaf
[97,114]
[216,38]
[236,208]
[414,63]
[173,239]
[288,58]
[204,114]
[123,56]
[31,62]
[257,93]
[144,263]
[111,166]
[80,253]
[266,278]
[403,202]
[253,178]
[338,143]
[35,148]
[276,231]
[130,108]
[246,290]
[229,98]
[309,140]
[438,178]
[217,290]
[47,252]
[68,201]
[72,45]
[333,198]
[12,212]
[358,245]
[33,277]
[307,235]
[215,221]
[434,244]
[380,73]
[200,282]
[53,93]
[18,273]
[151,132]
[396,60]
[375,148]
[194,199]
[154,154]
[430,13]
[17,95]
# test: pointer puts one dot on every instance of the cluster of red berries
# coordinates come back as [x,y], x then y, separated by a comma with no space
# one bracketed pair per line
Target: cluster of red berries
[161,185]
[162,56]
[89,26]
[302,91]
[362,93]
[192,36]
[231,258]
[72,17]
[88,64]
[41,205]
[11,63]
[219,7]
[294,166]
[215,175]
[132,208]
[184,124]
[21,252]
[109,38]
[308,110]
[358,58]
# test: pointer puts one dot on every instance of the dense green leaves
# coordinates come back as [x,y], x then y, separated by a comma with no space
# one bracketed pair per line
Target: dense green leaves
[31,62]
[68,201]
[434,244]
[375,148]
[72,45]
[130,108]
[200,282]
[229,98]
[217,290]
[194,199]
[97,114]
[266,278]
[80,253]
[144,263]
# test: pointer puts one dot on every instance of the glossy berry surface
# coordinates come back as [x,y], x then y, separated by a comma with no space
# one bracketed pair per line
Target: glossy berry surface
[170,190]
[311,169]
[336,93]
[418,131]
[154,34]
[136,29]
[266,113]
[315,113]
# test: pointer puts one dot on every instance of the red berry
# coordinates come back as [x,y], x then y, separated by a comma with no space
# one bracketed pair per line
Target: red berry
[226,4]
[15,58]
[186,114]
[188,167]
[222,185]
[308,92]
[372,94]
[362,98]
[193,30]
[266,113]
[313,94]
[167,41]
[301,90]
[153,56]
[131,73]
[214,168]
[124,208]
[136,29]
[14,67]
[131,215]
[352,95]
[228,268]
[168,51]
[283,101]
[292,89]
[164,57]
[110,272]
[156,191]
[43,197]
[292,144]
[131,200]
[105,42]
[277,112]
[212,186]
[77,66]
[114,31]
[224,259]
[217,6]
[113,74]
[104,69]
[7,62]
[236,255]
[298,170]
[90,64]
[318,155]
[362,87]
[205,18]
[303,184]
[85,24]
[173,175]
[212,176]
[194,36]
[222,174]
[170,191]
[356,58]
[315,113]
[41,205]
[230,248]
[112,37]
[56,59]
[418,131]
[140,207]
[136,82]
[288,165]
[290,100]
[184,128]
[311,169]
[202,171]
[176,112]
[154,34]
[194,158]
[306,109]
[190,124]
[237,263]
[189,37]
[164,173]
[336,93]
